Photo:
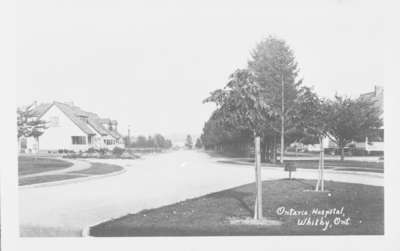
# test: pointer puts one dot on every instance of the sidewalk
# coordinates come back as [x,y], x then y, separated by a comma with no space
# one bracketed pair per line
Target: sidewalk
[240,161]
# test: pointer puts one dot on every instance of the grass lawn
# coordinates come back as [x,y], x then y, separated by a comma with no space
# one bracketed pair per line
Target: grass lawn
[98,169]
[338,163]
[349,209]
[346,165]
[95,169]
[31,165]
[46,178]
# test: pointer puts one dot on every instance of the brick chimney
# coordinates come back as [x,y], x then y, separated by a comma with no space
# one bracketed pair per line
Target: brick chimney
[378,90]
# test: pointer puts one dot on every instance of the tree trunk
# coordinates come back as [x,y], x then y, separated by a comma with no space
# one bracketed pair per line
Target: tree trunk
[19,145]
[273,149]
[341,153]
[263,151]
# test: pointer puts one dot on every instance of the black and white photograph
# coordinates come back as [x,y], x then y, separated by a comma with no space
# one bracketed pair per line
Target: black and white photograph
[199,119]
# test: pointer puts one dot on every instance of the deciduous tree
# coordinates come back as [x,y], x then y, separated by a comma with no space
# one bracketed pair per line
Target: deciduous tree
[351,120]
[28,123]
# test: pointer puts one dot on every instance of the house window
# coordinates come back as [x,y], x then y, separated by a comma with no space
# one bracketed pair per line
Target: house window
[109,141]
[53,121]
[78,140]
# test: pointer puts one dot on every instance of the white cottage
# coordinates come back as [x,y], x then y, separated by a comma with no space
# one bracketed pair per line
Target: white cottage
[71,128]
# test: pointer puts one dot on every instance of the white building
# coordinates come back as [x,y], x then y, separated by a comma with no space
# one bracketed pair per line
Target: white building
[326,142]
[376,144]
[71,128]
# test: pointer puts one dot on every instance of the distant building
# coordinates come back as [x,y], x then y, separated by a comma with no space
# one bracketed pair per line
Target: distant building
[71,128]
[326,142]
[375,144]
[376,96]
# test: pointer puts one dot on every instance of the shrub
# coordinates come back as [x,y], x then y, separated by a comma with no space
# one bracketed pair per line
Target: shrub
[103,151]
[359,152]
[118,151]
[94,155]
[72,156]
[91,150]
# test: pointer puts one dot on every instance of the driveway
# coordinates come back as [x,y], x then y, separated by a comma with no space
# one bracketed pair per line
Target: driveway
[154,181]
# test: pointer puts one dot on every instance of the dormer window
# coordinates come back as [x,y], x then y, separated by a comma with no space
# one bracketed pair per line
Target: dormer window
[84,118]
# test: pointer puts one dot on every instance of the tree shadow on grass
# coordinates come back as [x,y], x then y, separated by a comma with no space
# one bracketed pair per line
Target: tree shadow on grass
[307,184]
[234,194]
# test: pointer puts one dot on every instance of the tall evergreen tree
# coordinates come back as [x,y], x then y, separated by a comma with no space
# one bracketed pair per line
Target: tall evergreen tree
[189,141]
[275,69]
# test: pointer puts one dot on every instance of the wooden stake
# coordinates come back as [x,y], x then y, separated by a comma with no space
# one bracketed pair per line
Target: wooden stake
[319,170]
[258,211]
[283,122]
[256,208]
[322,165]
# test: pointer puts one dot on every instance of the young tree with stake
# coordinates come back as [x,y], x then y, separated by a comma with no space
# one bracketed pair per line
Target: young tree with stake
[312,117]
[243,103]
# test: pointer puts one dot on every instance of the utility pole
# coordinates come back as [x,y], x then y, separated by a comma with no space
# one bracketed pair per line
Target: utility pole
[283,121]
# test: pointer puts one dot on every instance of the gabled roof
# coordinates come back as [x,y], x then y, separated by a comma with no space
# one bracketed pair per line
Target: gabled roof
[40,109]
[101,121]
[115,134]
[94,122]
[71,114]
[86,121]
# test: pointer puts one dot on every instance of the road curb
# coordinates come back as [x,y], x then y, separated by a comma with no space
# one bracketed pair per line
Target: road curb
[86,230]
[70,181]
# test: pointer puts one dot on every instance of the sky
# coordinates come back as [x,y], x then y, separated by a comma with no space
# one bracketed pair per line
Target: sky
[150,64]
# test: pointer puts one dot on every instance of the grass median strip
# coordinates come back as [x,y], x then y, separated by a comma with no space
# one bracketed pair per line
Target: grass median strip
[98,169]
[46,178]
[31,165]
[95,169]
[347,209]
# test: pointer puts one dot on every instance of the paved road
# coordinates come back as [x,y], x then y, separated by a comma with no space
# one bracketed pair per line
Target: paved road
[154,181]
